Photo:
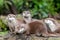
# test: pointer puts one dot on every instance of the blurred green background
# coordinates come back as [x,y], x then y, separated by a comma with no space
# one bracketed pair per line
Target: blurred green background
[39,8]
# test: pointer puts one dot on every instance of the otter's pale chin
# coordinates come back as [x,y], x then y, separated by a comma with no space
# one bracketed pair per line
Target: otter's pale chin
[21,30]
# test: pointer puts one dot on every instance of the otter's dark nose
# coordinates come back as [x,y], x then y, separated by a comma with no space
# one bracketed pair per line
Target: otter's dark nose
[25,16]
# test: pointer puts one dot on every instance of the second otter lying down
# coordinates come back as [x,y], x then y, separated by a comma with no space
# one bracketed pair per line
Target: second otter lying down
[38,28]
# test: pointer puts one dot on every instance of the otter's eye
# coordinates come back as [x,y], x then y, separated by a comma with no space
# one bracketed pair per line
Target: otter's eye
[24,12]
[22,27]
[10,21]
[13,16]
[28,12]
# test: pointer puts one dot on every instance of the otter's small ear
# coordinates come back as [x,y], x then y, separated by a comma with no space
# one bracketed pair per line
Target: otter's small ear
[28,12]
[23,12]
[7,17]
[14,16]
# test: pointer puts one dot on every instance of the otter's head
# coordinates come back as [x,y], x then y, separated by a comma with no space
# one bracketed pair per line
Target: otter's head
[11,17]
[26,14]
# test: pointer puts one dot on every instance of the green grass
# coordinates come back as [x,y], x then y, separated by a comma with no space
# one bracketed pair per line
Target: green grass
[3,33]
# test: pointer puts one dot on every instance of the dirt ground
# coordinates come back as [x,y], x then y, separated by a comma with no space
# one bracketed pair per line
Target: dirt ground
[11,37]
